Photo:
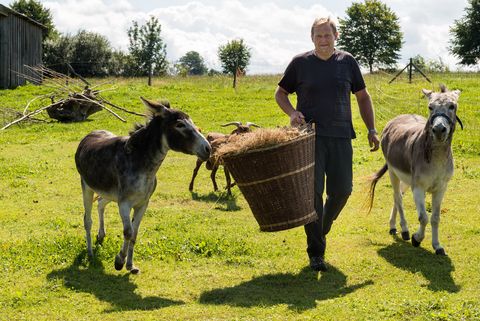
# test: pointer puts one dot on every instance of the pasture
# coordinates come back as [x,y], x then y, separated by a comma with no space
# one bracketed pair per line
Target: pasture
[201,254]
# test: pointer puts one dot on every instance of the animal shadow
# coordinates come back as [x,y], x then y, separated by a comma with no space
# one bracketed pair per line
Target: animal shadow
[223,201]
[298,291]
[435,268]
[118,290]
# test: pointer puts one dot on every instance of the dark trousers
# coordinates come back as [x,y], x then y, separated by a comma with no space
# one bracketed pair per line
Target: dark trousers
[333,166]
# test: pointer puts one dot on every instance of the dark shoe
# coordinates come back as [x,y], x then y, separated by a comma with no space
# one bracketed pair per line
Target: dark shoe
[318,264]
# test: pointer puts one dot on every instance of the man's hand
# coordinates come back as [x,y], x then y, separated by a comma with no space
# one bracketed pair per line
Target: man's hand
[373,141]
[297,119]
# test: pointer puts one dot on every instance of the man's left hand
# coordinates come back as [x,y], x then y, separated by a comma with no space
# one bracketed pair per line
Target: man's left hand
[373,141]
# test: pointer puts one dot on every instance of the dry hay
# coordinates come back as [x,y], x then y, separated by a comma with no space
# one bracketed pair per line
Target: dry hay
[258,139]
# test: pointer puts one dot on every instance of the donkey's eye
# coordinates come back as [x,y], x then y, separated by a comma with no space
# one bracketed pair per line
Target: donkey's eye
[180,125]
[451,107]
[430,107]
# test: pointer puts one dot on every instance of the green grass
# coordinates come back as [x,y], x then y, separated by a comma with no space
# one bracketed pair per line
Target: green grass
[201,254]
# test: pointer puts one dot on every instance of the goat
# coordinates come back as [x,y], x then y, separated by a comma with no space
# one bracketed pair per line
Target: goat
[216,140]
[123,169]
[418,153]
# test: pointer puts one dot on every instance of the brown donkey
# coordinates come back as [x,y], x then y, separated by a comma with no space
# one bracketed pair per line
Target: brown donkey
[123,169]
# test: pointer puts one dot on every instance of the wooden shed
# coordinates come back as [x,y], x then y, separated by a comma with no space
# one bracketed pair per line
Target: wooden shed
[20,44]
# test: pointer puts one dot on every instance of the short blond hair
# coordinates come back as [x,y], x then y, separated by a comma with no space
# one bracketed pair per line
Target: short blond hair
[323,20]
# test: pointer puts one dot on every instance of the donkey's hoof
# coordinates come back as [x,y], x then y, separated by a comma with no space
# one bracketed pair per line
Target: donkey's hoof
[119,262]
[415,242]
[440,251]
[393,231]
[406,236]
[100,239]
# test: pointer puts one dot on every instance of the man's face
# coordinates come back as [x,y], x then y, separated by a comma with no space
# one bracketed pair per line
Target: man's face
[324,39]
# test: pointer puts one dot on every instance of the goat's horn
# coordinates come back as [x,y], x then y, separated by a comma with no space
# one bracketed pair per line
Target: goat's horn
[236,123]
[252,124]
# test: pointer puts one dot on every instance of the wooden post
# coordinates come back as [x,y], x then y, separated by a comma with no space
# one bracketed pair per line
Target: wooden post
[410,71]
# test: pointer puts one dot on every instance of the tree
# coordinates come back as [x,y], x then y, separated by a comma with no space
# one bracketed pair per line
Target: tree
[36,11]
[57,52]
[234,56]
[147,48]
[90,54]
[193,63]
[371,33]
[465,43]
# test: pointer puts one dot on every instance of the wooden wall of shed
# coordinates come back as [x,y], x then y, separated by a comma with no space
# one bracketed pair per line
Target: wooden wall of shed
[20,44]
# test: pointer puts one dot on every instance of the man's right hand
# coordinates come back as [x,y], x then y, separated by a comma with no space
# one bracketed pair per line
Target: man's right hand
[297,119]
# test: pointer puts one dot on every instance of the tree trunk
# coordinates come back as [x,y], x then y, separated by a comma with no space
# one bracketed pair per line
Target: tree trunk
[234,80]
[150,75]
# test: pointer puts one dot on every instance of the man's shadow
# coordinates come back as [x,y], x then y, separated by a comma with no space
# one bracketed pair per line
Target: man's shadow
[435,268]
[115,289]
[224,202]
[298,291]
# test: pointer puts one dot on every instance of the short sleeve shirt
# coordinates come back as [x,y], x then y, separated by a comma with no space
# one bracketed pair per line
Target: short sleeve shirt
[323,89]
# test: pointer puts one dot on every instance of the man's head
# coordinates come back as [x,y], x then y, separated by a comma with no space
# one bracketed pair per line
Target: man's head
[324,33]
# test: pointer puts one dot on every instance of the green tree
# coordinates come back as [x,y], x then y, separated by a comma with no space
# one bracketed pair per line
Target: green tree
[465,43]
[371,33]
[90,54]
[36,11]
[193,63]
[147,48]
[234,57]
[420,62]
[57,52]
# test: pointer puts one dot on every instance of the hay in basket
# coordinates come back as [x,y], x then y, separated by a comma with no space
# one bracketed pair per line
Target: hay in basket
[274,169]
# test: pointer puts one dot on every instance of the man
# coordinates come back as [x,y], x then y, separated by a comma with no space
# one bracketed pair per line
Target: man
[323,79]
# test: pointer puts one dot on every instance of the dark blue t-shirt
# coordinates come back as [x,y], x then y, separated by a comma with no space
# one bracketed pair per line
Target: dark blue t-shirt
[323,89]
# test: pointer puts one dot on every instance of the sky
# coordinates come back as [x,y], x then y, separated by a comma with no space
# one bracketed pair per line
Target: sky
[275,31]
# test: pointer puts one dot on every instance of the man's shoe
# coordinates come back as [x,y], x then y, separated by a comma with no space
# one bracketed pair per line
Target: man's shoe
[318,264]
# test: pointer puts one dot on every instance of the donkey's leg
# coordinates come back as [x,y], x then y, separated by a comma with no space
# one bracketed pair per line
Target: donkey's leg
[397,207]
[137,218]
[125,209]
[403,220]
[437,198]
[101,213]
[87,193]
[195,172]
[419,197]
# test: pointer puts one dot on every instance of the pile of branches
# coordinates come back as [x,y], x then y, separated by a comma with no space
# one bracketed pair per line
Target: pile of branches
[72,99]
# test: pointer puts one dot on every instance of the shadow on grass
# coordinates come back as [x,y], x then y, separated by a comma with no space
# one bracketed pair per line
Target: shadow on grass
[226,203]
[299,292]
[435,268]
[118,290]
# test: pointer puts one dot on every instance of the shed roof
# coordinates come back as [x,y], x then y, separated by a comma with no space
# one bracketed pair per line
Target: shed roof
[5,11]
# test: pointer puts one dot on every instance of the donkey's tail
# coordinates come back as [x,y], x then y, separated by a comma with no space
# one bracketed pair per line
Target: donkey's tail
[373,182]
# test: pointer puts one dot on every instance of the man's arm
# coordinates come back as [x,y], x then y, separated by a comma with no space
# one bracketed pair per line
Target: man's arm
[366,111]
[296,117]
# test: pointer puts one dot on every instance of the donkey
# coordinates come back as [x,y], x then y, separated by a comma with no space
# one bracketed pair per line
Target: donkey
[123,169]
[418,153]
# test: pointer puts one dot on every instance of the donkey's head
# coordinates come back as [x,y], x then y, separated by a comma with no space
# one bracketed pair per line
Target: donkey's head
[179,131]
[443,113]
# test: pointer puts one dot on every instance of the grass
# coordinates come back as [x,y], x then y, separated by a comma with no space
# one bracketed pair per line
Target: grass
[201,254]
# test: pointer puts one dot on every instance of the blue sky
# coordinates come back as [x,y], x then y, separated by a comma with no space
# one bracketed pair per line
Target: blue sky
[274,30]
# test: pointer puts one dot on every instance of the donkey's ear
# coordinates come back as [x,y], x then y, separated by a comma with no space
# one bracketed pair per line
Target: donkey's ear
[456,92]
[427,92]
[157,109]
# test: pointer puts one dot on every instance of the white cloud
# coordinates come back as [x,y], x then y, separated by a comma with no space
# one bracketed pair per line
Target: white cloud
[275,31]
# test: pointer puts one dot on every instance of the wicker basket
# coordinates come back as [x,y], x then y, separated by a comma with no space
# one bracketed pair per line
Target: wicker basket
[277,183]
